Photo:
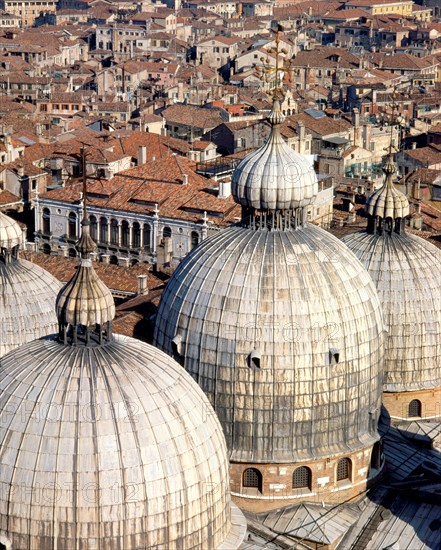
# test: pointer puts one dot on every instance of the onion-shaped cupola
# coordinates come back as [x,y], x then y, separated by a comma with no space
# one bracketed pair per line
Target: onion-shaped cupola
[274,184]
[387,208]
[85,306]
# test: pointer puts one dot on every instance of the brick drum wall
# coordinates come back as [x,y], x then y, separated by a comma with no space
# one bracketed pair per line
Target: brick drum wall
[397,404]
[277,479]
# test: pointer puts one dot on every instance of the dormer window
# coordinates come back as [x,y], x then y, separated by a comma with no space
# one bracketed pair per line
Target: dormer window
[254,359]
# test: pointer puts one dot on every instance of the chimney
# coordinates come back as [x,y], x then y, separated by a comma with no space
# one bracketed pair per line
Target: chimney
[64,251]
[300,130]
[105,258]
[124,262]
[20,170]
[143,288]
[142,155]
[416,190]
[355,118]
[224,189]
[184,179]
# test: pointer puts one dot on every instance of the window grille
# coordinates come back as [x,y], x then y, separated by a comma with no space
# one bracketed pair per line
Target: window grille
[343,469]
[415,408]
[301,478]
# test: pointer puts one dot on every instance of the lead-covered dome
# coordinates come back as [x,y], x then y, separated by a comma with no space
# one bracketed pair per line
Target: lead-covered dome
[407,273]
[27,292]
[111,447]
[274,177]
[283,332]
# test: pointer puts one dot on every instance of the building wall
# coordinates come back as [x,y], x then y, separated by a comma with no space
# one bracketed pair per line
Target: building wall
[397,404]
[277,481]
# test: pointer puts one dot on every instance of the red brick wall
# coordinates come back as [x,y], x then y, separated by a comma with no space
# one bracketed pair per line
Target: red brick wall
[397,404]
[277,488]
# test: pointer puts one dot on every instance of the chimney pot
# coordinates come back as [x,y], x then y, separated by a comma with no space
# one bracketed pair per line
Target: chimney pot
[143,288]
[184,179]
[142,155]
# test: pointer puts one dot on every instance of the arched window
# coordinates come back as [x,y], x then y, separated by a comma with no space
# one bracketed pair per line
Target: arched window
[252,479]
[72,226]
[72,253]
[125,233]
[113,260]
[46,220]
[194,239]
[114,232]
[136,235]
[93,228]
[344,469]
[415,408]
[147,235]
[166,232]
[104,230]
[301,478]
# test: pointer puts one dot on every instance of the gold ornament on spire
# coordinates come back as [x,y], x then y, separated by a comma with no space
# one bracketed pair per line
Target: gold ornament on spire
[274,74]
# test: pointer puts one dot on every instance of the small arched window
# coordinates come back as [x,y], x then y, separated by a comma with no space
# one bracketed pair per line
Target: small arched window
[125,233]
[252,479]
[72,225]
[147,235]
[104,230]
[93,227]
[344,469]
[136,235]
[166,232]
[414,408]
[301,478]
[46,220]
[114,232]
[194,239]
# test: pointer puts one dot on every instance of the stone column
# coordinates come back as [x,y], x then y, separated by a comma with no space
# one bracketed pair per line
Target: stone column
[119,234]
[155,229]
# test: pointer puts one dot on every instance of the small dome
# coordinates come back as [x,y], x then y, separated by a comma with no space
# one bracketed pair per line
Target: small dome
[407,272]
[11,234]
[387,201]
[27,293]
[110,447]
[283,331]
[85,299]
[274,177]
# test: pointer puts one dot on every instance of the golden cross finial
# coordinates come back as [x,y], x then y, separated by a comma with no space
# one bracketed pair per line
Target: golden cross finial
[268,73]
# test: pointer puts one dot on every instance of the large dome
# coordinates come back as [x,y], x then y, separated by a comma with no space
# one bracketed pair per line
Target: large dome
[283,332]
[407,272]
[108,447]
[27,293]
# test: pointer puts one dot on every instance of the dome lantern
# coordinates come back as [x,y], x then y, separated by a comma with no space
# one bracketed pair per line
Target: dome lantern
[274,184]
[10,238]
[387,208]
[85,306]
